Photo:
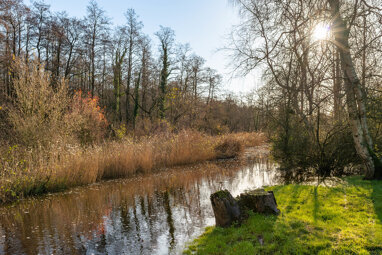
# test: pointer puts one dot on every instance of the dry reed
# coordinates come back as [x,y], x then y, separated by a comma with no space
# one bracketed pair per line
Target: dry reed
[29,172]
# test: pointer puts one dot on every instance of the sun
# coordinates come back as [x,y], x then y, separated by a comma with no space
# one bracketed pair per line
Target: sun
[321,32]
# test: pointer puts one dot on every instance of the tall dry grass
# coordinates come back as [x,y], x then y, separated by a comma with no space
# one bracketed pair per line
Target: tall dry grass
[47,169]
[26,172]
[150,153]
[248,139]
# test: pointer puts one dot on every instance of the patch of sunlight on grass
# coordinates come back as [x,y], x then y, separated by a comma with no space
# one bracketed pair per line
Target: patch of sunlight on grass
[346,219]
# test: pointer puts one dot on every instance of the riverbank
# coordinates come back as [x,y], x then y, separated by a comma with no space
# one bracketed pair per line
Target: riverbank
[28,172]
[147,214]
[345,219]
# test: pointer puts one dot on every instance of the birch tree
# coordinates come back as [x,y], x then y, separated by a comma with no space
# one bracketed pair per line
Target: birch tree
[355,94]
[301,46]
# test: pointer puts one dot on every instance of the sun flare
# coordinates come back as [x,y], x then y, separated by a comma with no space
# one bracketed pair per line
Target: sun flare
[321,31]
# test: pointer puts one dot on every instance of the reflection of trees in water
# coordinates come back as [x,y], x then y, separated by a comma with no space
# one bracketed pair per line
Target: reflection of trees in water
[142,215]
[137,228]
[170,220]
[124,217]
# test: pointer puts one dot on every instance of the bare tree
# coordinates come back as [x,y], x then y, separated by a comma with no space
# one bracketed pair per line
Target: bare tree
[279,37]
[120,48]
[133,29]
[96,24]
[355,94]
[213,81]
[143,76]
[166,38]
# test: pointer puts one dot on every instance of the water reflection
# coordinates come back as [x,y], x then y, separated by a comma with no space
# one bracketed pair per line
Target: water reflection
[155,214]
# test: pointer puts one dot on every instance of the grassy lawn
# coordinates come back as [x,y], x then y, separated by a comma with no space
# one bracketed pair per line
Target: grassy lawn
[346,219]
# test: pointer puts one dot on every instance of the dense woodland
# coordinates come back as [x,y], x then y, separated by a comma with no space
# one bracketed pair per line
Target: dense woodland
[141,80]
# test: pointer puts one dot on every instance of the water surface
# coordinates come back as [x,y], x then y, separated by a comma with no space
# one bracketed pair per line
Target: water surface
[156,214]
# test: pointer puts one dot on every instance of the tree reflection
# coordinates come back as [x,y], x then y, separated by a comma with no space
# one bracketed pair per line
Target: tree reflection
[149,214]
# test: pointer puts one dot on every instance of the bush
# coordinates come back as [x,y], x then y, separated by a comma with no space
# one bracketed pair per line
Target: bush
[228,148]
[38,110]
[42,113]
[325,150]
[87,120]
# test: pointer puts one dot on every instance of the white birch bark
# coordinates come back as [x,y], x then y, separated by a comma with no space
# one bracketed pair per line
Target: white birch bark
[355,96]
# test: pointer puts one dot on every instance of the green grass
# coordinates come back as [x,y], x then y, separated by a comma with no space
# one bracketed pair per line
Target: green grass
[346,219]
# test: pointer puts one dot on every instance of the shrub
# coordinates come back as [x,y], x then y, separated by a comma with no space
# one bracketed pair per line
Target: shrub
[120,132]
[86,118]
[323,150]
[42,113]
[38,109]
[228,148]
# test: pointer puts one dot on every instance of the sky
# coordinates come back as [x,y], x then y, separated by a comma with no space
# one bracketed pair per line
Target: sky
[204,24]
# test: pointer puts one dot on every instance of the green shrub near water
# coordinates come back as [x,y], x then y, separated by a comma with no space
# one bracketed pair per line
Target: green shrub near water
[345,219]
[322,149]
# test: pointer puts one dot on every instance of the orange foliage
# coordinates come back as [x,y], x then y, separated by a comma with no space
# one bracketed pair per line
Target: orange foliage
[87,118]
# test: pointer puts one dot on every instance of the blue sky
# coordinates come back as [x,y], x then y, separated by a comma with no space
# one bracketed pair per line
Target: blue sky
[204,24]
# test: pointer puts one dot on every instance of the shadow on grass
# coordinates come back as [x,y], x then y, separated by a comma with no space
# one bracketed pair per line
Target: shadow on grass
[376,196]
[316,205]
[376,193]
[293,198]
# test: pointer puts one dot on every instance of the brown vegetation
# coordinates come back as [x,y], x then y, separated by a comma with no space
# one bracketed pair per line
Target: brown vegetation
[137,81]
[61,141]
[249,139]
[27,172]
[229,148]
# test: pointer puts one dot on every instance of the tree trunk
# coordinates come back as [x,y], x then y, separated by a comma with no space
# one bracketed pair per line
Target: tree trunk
[337,87]
[355,97]
[136,99]
[226,208]
[259,201]
[163,84]
[117,93]
[129,73]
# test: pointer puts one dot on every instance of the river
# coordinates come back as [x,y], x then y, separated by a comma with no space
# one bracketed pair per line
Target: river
[154,214]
